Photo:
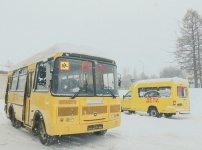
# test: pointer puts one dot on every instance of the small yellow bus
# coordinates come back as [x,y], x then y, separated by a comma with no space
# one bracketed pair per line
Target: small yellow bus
[158,97]
[61,92]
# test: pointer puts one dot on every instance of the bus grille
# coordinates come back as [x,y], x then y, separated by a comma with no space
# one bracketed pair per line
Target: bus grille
[94,109]
[114,108]
[67,111]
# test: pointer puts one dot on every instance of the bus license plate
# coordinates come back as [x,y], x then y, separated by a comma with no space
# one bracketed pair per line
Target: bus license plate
[95,127]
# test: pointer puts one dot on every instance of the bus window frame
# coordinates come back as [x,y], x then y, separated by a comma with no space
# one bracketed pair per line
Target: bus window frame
[24,74]
[35,85]
[18,74]
[154,89]
[93,76]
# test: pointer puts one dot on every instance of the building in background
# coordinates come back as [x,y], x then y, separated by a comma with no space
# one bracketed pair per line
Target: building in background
[3,79]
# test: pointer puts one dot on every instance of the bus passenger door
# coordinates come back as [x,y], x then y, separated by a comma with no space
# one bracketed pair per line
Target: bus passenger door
[27,99]
[126,102]
[7,95]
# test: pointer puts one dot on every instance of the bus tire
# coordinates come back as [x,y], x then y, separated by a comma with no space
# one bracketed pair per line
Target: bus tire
[168,115]
[15,123]
[131,112]
[100,132]
[44,138]
[153,112]
[159,115]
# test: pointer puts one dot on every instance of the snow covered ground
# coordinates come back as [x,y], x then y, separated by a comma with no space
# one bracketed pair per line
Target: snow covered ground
[137,131]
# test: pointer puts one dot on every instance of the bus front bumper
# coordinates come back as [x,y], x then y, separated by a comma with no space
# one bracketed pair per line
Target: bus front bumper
[66,129]
[174,110]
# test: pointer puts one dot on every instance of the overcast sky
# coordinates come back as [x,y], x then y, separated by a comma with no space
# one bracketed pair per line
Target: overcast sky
[134,33]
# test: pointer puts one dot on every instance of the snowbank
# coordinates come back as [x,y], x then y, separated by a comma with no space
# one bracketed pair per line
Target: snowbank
[196,101]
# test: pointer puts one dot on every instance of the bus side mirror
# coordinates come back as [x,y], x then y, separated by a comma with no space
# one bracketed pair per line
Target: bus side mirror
[124,96]
[119,83]
[119,80]
[42,75]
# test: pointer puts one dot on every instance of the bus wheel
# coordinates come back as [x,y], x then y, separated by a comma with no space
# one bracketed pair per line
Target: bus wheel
[168,115]
[43,136]
[159,115]
[153,112]
[131,112]
[17,124]
[100,132]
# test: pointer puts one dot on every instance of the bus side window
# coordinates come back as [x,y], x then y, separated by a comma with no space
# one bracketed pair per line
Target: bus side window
[141,92]
[14,81]
[182,92]
[22,79]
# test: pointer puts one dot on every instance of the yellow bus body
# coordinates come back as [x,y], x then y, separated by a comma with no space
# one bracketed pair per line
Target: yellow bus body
[172,103]
[62,115]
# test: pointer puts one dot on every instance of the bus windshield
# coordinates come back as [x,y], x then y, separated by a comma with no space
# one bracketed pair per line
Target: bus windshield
[106,79]
[79,77]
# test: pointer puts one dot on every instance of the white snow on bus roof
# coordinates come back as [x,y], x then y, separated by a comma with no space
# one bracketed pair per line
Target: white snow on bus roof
[68,48]
[175,79]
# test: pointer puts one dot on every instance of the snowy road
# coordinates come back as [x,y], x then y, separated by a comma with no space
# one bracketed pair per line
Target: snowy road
[137,131]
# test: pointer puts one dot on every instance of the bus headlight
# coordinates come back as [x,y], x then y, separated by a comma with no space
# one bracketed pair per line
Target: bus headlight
[70,120]
[115,115]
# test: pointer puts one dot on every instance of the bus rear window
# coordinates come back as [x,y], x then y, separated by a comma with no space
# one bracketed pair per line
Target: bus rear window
[182,91]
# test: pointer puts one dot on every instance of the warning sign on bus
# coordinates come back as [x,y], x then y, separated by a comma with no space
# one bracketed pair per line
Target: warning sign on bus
[64,65]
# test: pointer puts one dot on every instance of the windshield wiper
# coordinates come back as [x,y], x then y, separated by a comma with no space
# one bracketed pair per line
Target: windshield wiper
[111,93]
[108,90]
[81,89]
[77,93]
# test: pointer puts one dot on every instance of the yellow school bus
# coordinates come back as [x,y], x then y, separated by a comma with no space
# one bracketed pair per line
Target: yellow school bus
[61,92]
[158,97]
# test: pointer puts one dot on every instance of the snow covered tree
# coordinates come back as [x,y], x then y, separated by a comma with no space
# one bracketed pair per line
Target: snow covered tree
[188,52]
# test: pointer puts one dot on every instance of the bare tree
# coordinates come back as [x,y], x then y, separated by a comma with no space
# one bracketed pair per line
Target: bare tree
[199,52]
[153,76]
[126,78]
[170,72]
[188,44]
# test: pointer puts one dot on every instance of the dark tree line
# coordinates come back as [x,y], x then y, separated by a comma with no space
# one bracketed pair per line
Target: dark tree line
[130,77]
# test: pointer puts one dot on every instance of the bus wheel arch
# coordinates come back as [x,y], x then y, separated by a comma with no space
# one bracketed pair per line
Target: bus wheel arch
[153,111]
[40,129]
[15,123]
[36,119]
[10,111]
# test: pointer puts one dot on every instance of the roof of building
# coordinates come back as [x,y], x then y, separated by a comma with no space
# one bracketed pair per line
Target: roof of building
[4,69]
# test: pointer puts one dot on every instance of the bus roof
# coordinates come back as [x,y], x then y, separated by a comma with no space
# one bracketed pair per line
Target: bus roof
[175,79]
[50,52]
[158,80]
